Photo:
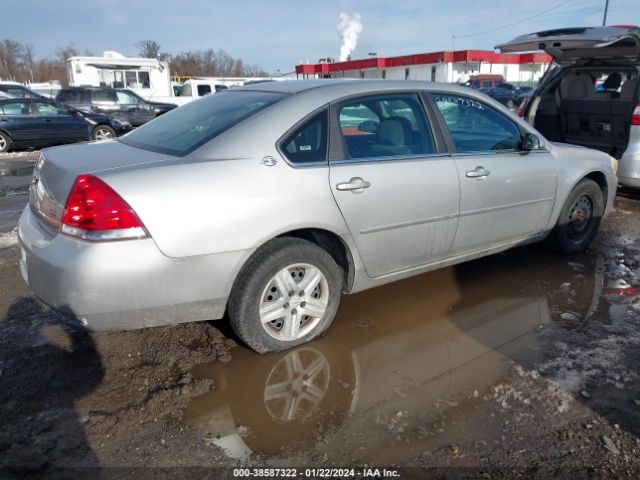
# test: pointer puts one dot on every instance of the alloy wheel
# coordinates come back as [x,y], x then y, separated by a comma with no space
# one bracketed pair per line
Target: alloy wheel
[102,134]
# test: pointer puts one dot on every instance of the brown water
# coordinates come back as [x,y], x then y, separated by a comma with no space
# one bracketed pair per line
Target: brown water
[397,357]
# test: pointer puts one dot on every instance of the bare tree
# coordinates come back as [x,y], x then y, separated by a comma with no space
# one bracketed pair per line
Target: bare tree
[150,49]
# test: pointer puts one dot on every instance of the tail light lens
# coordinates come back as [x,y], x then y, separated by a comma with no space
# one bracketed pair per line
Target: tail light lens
[520,111]
[635,117]
[94,211]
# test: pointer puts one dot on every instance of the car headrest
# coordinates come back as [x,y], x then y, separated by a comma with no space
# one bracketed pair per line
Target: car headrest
[612,82]
[577,86]
[394,131]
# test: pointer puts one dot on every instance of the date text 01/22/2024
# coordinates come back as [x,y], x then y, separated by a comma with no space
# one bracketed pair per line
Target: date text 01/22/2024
[315,473]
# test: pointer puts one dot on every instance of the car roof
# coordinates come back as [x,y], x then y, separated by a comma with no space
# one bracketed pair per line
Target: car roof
[338,87]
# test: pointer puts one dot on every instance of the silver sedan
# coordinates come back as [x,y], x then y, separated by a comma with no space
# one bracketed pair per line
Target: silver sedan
[266,203]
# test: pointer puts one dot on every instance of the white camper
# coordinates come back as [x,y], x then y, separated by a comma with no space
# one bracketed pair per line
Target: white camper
[148,77]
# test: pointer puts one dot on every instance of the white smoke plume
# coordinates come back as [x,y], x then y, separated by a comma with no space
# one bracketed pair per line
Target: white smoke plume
[349,28]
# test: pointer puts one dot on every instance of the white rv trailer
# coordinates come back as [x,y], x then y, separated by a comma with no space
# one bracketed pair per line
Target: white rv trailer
[148,77]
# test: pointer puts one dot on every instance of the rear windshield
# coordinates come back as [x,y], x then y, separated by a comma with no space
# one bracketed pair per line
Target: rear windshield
[186,128]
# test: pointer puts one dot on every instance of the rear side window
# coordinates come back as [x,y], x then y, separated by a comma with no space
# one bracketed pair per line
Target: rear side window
[16,108]
[70,96]
[476,127]
[308,143]
[103,96]
[186,128]
[385,126]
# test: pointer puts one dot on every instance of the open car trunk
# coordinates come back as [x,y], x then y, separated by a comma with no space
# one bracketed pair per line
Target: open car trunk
[589,106]
[591,100]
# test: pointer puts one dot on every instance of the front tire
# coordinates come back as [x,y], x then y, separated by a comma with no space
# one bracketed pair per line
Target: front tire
[579,219]
[287,294]
[5,142]
[103,132]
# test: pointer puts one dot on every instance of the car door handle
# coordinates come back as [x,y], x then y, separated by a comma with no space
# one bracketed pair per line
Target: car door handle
[355,185]
[480,173]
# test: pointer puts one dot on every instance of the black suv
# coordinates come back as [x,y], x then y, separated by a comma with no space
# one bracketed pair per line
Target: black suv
[120,103]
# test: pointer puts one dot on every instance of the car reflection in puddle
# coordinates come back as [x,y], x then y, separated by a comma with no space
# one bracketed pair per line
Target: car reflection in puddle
[400,348]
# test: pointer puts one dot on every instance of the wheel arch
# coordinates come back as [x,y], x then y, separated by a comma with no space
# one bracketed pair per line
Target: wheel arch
[601,179]
[334,245]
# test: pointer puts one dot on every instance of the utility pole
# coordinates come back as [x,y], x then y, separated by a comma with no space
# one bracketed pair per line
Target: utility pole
[606,7]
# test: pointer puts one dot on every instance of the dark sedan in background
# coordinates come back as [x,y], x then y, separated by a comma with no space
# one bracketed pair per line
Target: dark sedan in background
[120,102]
[38,123]
[506,96]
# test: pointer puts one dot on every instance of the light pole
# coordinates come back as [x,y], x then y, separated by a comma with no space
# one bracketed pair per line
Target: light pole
[606,7]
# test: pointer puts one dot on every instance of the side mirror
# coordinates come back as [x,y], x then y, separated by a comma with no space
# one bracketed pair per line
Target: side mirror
[530,142]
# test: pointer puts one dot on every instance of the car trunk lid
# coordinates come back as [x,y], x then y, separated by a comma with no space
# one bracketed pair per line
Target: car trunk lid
[57,169]
[567,45]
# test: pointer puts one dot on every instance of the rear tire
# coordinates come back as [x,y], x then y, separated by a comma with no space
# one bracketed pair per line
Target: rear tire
[103,132]
[5,142]
[579,219]
[287,294]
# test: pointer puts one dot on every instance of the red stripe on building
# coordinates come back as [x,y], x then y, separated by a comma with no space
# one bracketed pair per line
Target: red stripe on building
[461,56]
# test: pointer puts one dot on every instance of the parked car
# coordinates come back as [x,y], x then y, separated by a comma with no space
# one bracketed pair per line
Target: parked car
[17,90]
[121,103]
[238,202]
[5,95]
[38,123]
[505,96]
[567,107]
[485,81]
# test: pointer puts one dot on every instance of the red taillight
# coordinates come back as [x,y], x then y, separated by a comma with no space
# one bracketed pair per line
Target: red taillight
[93,207]
[635,116]
[520,111]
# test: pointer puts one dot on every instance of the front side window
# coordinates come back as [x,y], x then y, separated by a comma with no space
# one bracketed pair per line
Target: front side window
[126,98]
[16,108]
[385,126]
[49,110]
[309,142]
[186,128]
[476,127]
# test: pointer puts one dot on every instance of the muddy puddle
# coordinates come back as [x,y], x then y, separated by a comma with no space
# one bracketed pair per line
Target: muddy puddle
[402,358]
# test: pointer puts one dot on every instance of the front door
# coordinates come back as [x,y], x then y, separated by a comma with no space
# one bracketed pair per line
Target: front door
[399,196]
[133,108]
[506,194]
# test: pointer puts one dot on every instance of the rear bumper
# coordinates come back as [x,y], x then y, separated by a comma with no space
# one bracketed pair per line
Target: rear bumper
[123,284]
[629,163]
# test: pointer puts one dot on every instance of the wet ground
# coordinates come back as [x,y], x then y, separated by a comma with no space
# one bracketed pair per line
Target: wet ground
[519,364]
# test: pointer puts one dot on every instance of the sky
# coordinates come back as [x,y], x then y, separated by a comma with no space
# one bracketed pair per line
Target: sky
[278,34]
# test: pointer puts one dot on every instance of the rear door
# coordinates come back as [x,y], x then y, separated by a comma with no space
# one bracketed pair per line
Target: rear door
[58,125]
[17,119]
[505,194]
[570,44]
[394,184]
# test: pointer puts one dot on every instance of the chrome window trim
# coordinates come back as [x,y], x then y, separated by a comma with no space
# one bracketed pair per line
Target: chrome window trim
[393,158]
[498,152]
